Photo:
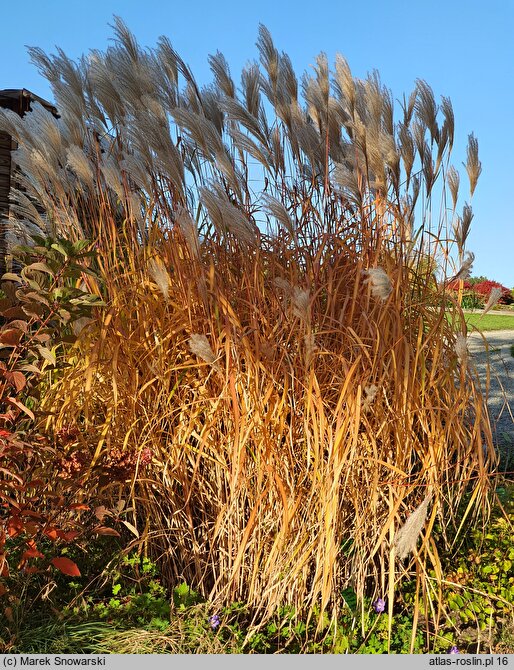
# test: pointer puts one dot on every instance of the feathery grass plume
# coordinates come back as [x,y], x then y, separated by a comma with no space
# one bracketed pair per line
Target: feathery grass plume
[250,84]
[461,348]
[453,180]
[189,229]
[160,275]
[407,537]
[370,393]
[461,228]
[113,178]
[449,120]
[310,347]
[221,71]
[226,216]
[494,296]
[381,286]
[426,108]
[80,164]
[246,144]
[407,150]
[345,84]
[301,301]
[276,208]
[347,178]
[465,268]
[269,58]
[200,346]
[473,164]
[282,284]
[236,112]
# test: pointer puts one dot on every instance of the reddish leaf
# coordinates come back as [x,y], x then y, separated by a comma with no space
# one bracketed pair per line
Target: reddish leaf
[3,590]
[19,324]
[66,566]
[13,313]
[42,337]
[31,569]
[70,535]
[79,506]
[10,337]
[100,512]
[34,483]
[52,533]
[32,514]
[105,530]
[31,527]
[18,379]
[32,553]
[8,614]
[14,526]
[21,406]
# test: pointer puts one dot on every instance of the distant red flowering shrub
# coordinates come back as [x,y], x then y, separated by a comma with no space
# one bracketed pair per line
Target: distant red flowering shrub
[454,285]
[484,289]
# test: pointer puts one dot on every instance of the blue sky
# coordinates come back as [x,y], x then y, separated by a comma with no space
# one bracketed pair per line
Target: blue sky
[463,48]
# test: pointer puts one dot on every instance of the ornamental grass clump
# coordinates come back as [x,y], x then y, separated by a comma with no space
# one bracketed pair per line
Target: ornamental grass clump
[275,333]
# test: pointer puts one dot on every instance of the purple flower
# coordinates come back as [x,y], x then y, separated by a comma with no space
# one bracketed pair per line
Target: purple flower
[379,605]
[454,650]
[215,621]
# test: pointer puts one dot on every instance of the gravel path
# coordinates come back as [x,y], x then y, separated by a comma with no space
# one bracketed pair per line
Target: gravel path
[501,392]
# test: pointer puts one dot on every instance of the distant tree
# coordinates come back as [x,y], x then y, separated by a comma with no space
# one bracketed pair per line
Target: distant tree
[484,288]
[477,280]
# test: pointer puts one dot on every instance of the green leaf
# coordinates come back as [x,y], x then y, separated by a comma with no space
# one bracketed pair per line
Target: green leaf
[350,598]
[80,244]
[58,247]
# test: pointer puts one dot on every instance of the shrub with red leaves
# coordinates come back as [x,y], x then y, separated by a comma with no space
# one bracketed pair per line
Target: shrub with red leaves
[454,285]
[484,289]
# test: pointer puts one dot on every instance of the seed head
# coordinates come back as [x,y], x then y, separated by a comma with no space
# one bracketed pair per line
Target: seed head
[494,296]
[160,275]
[200,346]
[380,283]
[370,393]
[407,536]
[461,348]
[465,268]
[300,298]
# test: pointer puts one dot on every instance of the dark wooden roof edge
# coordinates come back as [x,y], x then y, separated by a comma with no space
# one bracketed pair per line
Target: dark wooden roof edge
[17,93]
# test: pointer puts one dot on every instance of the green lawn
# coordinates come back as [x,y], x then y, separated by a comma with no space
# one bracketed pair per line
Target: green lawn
[490,321]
